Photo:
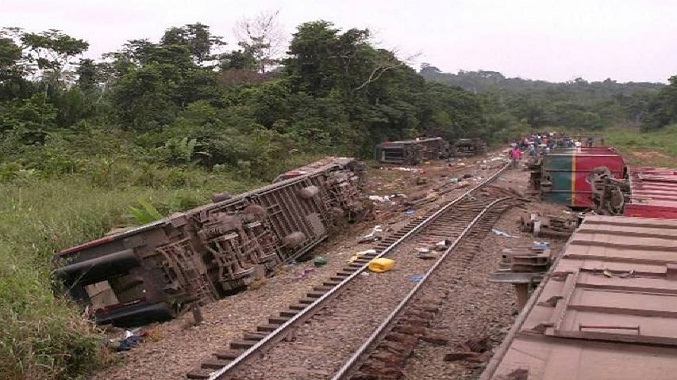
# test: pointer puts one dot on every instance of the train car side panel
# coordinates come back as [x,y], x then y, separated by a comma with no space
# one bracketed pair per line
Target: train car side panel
[557,184]
[584,168]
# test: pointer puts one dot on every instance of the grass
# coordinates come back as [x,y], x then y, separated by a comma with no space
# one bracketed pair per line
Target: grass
[44,336]
[658,148]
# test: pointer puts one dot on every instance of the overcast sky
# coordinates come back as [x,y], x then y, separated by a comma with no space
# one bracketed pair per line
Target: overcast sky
[625,40]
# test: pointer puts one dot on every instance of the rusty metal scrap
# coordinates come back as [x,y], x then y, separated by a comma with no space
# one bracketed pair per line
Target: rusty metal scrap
[549,225]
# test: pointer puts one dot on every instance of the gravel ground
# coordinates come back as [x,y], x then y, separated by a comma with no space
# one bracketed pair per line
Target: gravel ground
[177,346]
[477,308]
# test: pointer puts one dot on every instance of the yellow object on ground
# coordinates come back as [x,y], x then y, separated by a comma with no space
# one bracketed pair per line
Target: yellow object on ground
[381,265]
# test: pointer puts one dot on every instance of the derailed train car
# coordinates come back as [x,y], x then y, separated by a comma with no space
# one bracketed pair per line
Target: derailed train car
[606,310]
[647,193]
[567,176]
[412,152]
[154,271]
[469,147]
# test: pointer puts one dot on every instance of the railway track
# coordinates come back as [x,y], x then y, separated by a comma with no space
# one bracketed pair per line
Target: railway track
[338,330]
[383,355]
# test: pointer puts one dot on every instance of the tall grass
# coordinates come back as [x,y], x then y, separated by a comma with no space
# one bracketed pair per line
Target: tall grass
[43,335]
[656,148]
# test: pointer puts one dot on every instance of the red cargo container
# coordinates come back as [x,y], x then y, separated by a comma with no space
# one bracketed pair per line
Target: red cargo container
[653,193]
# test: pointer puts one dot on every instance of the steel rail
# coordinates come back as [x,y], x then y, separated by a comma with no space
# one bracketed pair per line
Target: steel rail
[382,329]
[287,329]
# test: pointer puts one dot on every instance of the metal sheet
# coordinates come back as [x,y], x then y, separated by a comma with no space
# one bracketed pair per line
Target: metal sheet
[653,193]
[607,310]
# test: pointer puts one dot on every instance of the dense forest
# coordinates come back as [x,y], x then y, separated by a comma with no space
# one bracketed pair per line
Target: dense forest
[187,99]
[183,100]
[577,104]
[172,120]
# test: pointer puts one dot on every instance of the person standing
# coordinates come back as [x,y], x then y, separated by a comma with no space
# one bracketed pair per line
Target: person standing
[578,145]
[515,155]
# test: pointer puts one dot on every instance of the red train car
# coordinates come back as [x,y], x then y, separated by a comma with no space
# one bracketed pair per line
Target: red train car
[653,193]
[566,176]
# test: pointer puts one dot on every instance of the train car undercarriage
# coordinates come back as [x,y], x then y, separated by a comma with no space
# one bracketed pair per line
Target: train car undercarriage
[155,271]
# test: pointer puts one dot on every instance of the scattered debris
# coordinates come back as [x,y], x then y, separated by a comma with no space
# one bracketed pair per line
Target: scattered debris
[435,339]
[443,245]
[381,265]
[473,350]
[320,261]
[305,273]
[541,245]
[416,278]
[501,233]
[360,254]
[130,340]
[374,235]
[534,259]
[549,225]
[425,253]
[405,169]
[386,198]
[628,274]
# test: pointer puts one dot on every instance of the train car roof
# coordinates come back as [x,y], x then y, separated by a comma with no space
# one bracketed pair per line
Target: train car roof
[607,309]
[653,193]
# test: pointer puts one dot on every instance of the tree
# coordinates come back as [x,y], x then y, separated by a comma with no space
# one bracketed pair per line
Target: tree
[87,74]
[310,66]
[197,38]
[238,60]
[662,110]
[11,72]
[427,68]
[50,53]
[262,38]
[384,61]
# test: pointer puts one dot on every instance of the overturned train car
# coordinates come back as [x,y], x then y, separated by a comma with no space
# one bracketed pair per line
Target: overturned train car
[647,193]
[412,152]
[154,271]
[469,147]
[568,176]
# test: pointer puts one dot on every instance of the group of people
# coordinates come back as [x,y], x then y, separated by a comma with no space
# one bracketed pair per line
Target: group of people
[542,143]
